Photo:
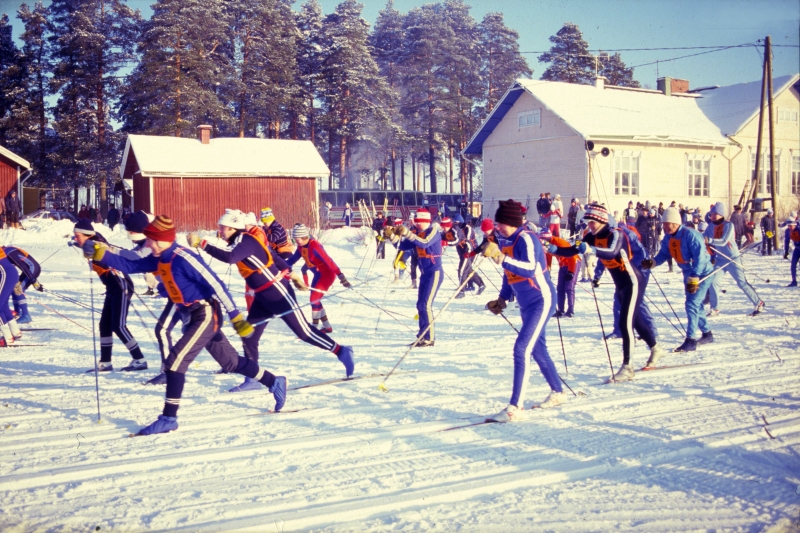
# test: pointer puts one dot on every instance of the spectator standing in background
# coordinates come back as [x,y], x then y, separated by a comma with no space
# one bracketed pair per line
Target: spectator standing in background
[12,210]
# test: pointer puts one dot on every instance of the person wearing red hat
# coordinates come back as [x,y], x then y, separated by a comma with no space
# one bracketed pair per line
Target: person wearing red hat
[427,242]
[402,257]
[521,256]
[197,294]
[568,268]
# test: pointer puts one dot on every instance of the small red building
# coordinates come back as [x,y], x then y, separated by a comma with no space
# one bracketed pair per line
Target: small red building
[195,180]
[12,167]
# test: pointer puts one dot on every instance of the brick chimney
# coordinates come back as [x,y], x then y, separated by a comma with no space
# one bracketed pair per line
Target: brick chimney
[204,133]
[668,85]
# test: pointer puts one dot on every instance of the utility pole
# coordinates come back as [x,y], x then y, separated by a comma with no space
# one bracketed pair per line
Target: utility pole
[754,180]
[772,180]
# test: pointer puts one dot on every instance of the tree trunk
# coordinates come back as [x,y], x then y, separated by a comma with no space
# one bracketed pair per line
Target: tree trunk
[311,126]
[243,94]
[394,177]
[402,172]
[330,159]
[178,88]
[413,172]
[451,166]
[343,162]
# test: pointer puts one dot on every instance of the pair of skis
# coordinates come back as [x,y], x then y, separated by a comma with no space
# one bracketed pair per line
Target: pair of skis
[15,345]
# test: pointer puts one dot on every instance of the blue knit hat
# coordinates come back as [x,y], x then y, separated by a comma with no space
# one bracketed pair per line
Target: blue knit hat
[137,222]
[719,208]
[85,227]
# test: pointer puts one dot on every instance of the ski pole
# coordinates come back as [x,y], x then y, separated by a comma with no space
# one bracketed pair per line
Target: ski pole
[362,260]
[94,343]
[372,304]
[603,331]
[383,303]
[49,256]
[563,350]
[662,314]
[502,314]
[730,261]
[146,306]
[382,386]
[68,299]
[668,303]
[589,293]
[62,316]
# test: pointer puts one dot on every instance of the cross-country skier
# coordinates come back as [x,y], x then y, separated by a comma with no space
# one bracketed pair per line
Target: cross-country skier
[794,235]
[29,275]
[614,248]
[520,254]
[8,280]
[323,268]
[380,242]
[114,316]
[466,246]
[787,234]
[276,234]
[568,268]
[720,237]
[427,242]
[199,296]
[267,276]
[402,257]
[134,226]
[687,248]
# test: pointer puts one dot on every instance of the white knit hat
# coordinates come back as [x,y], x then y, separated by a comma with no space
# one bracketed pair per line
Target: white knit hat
[671,215]
[250,219]
[300,231]
[233,218]
[422,215]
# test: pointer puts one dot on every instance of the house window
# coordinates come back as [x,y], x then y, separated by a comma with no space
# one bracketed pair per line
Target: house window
[626,175]
[795,173]
[698,173]
[787,114]
[764,183]
[530,118]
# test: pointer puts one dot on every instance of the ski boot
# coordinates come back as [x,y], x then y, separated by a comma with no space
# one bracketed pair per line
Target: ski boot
[480,290]
[247,385]
[136,364]
[346,357]
[614,335]
[460,295]
[164,424]
[160,379]
[689,345]
[559,314]
[707,338]
[424,343]
[278,391]
[712,313]
[101,367]
[554,399]
[758,309]
[792,284]
[656,353]
[625,373]
[512,413]
[149,292]
[24,318]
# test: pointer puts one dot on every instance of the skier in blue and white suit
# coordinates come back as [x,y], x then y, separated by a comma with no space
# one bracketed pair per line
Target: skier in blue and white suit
[522,257]
[427,243]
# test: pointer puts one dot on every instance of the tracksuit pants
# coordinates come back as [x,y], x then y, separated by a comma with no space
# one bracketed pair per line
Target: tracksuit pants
[695,315]
[203,329]
[734,268]
[465,269]
[536,308]
[429,283]
[414,266]
[8,278]
[566,288]
[114,321]
[277,300]
[644,310]
[795,259]
[630,287]
[169,318]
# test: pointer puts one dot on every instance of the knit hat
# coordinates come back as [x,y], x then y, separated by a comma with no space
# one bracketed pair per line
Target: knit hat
[300,231]
[458,218]
[84,227]
[446,223]
[770,211]
[398,221]
[487,225]
[720,209]
[250,219]
[233,218]
[671,215]
[596,212]
[422,215]
[653,211]
[509,213]
[160,229]
[266,215]
[136,223]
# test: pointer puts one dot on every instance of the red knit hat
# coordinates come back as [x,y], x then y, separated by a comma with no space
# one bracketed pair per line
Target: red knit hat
[422,215]
[447,223]
[487,225]
[161,229]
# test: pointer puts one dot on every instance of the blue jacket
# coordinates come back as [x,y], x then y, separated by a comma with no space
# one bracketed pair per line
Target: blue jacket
[428,245]
[689,252]
[193,280]
[524,266]
[722,237]
[638,253]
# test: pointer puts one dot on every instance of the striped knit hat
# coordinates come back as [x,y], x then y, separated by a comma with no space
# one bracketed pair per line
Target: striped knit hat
[161,229]
[300,231]
[398,221]
[266,215]
[84,227]
[422,215]
[446,223]
[596,212]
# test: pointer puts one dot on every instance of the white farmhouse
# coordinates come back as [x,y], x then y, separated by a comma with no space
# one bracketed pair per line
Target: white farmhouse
[661,146]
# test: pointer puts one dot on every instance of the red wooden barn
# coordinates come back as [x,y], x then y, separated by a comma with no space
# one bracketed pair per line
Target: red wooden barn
[11,168]
[195,180]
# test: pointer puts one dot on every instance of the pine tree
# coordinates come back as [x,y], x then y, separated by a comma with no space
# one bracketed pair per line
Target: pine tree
[615,71]
[502,62]
[569,57]
[11,76]
[185,60]
[309,65]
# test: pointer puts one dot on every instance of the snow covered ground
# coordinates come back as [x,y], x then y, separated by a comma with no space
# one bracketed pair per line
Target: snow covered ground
[710,447]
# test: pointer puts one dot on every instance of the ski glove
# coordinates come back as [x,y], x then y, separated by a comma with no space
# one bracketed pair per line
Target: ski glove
[194,240]
[94,250]
[568,276]
[647,264]
[242,326]
[493,252]
[388,232]
[402,231]
[38,286]
[297,281]
[581,247]
[496,306]
[343,281]
[693,285]
[552,249]
[18,289]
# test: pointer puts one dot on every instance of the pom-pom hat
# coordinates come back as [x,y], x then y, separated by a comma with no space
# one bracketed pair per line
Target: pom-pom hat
[160,229]
[233,218]
[596,212]
[422,215]
[300,231]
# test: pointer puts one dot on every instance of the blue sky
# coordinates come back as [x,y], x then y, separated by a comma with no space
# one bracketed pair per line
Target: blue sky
[616,24]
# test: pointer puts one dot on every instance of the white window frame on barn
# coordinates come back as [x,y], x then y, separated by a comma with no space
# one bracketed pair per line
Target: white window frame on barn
[532,118]
[764,184]
[795,172]
[698,175]
[623,165]
[787,114]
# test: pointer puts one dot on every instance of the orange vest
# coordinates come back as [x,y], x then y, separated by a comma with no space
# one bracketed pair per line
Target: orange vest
[246,271]
[165,273]
[258,233]
[304,255]
[613,263]
[2,253]
[795,234]
[718,231]
[509,252]
[675,250]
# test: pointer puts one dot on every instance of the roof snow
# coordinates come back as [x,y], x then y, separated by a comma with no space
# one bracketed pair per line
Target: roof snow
[224,157]
[8,154]
[733,106]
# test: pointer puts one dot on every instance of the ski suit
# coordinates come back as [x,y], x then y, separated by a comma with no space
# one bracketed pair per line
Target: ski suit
[278,240]
[30,271]
[554,218]
[466,253]
[721,237]
[324,272]
[795,236]
[380,242]
[198,296]
[568,268]
[524,274]
[687,248]
[8,279]
[428,247]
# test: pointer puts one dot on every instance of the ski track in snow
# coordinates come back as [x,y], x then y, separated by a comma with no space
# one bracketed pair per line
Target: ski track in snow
[711,447]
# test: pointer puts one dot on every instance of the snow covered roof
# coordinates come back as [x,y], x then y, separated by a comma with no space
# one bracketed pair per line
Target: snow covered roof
[8,154]
[223,157]
[733,106]
[610,113]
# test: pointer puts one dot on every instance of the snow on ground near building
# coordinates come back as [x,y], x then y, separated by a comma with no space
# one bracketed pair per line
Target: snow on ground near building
[710,447]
